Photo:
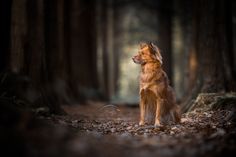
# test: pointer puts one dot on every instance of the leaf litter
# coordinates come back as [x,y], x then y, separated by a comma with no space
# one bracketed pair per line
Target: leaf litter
[113,130]
[107,130]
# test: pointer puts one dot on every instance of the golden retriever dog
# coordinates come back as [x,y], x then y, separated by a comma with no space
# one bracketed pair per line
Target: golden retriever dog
[157,99]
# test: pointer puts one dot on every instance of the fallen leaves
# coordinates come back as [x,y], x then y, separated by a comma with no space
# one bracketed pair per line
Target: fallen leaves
[114,131]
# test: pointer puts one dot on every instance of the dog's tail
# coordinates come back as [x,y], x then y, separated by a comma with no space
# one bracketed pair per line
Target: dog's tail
[176,115]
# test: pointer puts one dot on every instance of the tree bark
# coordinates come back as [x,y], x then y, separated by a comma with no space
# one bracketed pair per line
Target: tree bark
[165,35]
[35,53]
[5,29]
[18,35]
[83,48]
[213,45]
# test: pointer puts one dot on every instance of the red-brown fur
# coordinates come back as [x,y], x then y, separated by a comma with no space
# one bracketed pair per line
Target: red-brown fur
[157,99]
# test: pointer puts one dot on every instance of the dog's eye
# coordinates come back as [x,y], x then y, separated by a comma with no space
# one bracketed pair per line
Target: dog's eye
[140,52]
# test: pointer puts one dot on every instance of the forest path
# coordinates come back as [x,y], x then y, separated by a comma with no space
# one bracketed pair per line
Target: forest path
[108,130]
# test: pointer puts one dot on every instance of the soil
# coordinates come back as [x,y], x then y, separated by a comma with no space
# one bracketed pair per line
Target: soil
[107,130]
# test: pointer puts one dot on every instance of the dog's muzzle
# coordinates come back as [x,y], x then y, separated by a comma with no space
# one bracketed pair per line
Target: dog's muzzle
[137,60]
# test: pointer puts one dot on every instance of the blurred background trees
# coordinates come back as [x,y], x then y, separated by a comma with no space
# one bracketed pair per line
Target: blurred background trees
[70,51]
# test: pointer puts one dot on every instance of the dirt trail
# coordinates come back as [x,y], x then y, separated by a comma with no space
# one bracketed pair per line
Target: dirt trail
[100,130]
[108,130]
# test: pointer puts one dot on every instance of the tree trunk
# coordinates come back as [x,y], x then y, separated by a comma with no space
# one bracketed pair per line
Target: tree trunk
[100,45]
[184,54]
[82,48]
[213,40]
[35,53]
[18,35]
[165,34]
[5,29]
[214,46]
[55,50]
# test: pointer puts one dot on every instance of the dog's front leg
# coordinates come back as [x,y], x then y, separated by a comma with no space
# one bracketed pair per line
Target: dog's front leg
[142,112]
[158,112]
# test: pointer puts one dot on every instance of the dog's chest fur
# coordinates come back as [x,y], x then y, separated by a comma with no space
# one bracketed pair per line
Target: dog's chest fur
[151,75]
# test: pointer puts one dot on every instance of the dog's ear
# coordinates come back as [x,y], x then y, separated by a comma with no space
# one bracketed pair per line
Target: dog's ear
[156,51]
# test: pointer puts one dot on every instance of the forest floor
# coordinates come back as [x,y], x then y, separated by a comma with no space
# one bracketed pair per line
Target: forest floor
[106,130]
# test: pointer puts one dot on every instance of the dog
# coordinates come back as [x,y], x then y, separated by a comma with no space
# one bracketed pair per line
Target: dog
[157,98]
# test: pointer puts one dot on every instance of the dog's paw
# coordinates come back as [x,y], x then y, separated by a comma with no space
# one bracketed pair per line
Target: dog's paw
[141,123]
[157,123]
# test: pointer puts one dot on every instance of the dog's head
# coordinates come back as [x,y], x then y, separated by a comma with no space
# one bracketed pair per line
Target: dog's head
[148,52]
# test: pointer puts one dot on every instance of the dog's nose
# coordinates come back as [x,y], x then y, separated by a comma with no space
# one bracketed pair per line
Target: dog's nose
[134,58]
